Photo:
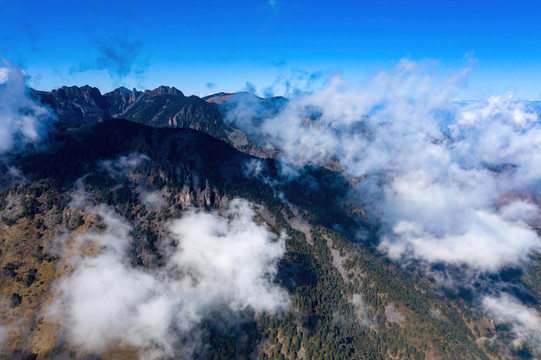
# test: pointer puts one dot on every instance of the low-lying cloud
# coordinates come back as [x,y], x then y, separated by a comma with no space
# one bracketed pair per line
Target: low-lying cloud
[22,120]
[222,262]
[126,167]
[525,322]
[446,181]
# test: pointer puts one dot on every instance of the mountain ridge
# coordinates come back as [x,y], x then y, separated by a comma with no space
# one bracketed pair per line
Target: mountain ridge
[164,106]
[348,300]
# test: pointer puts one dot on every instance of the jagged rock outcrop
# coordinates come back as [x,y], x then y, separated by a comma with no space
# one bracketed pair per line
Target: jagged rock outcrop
[76,105]
[120,99]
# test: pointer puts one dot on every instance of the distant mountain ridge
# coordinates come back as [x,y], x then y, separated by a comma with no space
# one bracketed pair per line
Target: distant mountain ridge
[163,107]
[75,104]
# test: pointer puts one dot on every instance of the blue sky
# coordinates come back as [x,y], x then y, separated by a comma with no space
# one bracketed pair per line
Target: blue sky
[210,46]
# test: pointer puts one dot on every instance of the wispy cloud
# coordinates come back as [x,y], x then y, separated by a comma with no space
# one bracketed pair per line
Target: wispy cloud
[525,322]
[118,55]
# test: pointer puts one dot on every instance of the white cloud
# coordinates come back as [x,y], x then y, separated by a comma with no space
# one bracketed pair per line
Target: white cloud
[22,120]
[435,172]
[4,75]
[153,200]
[525,322]
[234,257]
[222,261]
[124,165]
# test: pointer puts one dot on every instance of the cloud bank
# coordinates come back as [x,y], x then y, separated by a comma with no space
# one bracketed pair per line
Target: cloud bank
[222,262]
[445,180]
[22,120]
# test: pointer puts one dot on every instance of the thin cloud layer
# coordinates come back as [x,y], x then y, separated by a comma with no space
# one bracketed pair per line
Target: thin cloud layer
[125,167]
[222,262]
[443,179]
[117,55]
[22,120]
[4,334]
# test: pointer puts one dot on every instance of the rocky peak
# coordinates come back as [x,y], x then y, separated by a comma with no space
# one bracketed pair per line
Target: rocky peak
[121,99]
[218,98]
[163,90]
[81,95]
[75,105]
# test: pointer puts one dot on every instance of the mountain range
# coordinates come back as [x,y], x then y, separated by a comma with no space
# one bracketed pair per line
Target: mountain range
[128,166]
[164,107]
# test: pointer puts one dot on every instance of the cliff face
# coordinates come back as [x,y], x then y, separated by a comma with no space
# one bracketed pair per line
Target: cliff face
[76,105]
[122,99]
[163,108]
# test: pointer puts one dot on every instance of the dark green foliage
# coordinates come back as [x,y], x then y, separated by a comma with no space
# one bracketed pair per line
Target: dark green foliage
[157,182]
[10,269]
[322,192]
[9,221]
[30,277]
[80,151]
[229,336]
[15,300]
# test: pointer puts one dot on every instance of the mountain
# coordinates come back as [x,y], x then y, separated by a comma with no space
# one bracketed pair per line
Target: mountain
[218,98]
[162,107]
[169,109]
[128,174]
[76,105]
[86,104]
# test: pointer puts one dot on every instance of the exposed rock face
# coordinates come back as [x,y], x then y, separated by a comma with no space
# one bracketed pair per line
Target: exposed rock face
[218,98]
[120,99]
[163,107]
[178,111]
[76,105]
[163,90]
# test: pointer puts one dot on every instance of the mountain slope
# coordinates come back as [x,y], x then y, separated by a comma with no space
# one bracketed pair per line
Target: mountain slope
[346,302]
[164,106]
